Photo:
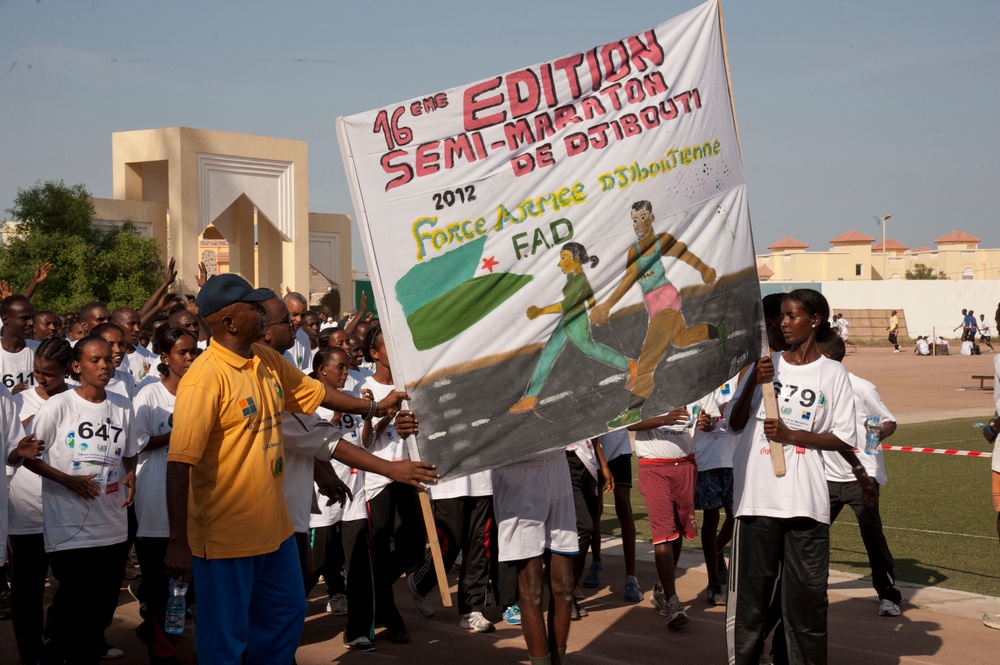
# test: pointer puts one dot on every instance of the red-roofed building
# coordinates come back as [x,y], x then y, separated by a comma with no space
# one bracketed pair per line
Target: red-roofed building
[851,238]
[787,244]
[853,257]
[891,246]
[959,238]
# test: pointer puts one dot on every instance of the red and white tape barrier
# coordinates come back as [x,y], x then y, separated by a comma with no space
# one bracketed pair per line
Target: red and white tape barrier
[938,451]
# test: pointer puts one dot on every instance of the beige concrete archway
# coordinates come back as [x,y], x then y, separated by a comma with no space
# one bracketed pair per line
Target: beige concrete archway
[241,185]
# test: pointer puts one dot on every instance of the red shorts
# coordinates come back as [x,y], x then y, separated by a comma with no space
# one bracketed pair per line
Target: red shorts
[668,490]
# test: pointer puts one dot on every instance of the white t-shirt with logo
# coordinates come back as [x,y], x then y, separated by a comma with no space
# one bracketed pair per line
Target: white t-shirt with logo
[24,502]
[301,354]
[140,364]
[154,415]
[84,438]
[356,508]
[16,368]
[816,397]
[12,432]
[866,401]
[715,448]
[670,441]
[121,384]
[306,437]
[389,445]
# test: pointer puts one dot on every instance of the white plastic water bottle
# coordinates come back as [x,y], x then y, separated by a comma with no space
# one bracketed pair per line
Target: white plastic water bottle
[873,431]
[176,608]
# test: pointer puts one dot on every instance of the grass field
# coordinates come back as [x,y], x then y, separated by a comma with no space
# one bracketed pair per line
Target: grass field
[936,509]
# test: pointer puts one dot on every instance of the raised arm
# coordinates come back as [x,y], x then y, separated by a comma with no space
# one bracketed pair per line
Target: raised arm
[152,305]
[351,325]
[41,273]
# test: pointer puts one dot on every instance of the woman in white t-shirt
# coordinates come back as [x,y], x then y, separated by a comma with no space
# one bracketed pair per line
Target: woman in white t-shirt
[88,472]
[154,419]
[27,545]
[387,499]
[339,533]
[783,523]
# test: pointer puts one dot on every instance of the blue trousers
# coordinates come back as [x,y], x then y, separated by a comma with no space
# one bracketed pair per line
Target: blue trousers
[250,604]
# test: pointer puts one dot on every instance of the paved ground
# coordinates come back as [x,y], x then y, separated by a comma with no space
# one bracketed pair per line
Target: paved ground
[938,626]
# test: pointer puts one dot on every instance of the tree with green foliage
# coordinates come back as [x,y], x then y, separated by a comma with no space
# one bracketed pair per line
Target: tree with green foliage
[90,262]
[921,271]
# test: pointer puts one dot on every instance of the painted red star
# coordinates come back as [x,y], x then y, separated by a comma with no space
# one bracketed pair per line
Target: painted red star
[490,263]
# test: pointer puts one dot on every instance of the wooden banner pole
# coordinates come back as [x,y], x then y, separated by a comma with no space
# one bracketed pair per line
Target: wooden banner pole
[771,411]
[432,540]
[767,389]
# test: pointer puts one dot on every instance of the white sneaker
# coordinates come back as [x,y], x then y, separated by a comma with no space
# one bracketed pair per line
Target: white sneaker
[337,605]
[887,608]
[476,622]
[420,603]
[991,621]
[676,616]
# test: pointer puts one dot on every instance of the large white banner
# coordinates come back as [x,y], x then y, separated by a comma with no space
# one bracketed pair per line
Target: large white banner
[560,250]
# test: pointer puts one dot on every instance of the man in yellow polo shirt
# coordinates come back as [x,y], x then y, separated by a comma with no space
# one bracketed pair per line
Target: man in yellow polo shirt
[229,524]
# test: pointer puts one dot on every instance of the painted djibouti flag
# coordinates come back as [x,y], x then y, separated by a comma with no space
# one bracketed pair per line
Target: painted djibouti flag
[561,250]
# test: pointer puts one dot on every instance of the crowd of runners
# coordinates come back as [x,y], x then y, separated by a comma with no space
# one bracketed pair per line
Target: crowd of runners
[243,442]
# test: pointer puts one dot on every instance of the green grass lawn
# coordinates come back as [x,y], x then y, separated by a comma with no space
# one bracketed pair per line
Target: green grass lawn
[926,493]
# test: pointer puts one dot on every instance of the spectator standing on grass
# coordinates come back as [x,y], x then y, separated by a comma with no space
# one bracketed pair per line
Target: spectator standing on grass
[849,481]
[993,620]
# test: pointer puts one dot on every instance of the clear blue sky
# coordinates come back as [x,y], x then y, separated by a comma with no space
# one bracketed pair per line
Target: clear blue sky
[846,110]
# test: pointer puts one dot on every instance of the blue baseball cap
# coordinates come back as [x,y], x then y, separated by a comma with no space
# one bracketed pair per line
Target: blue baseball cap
[221,291]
